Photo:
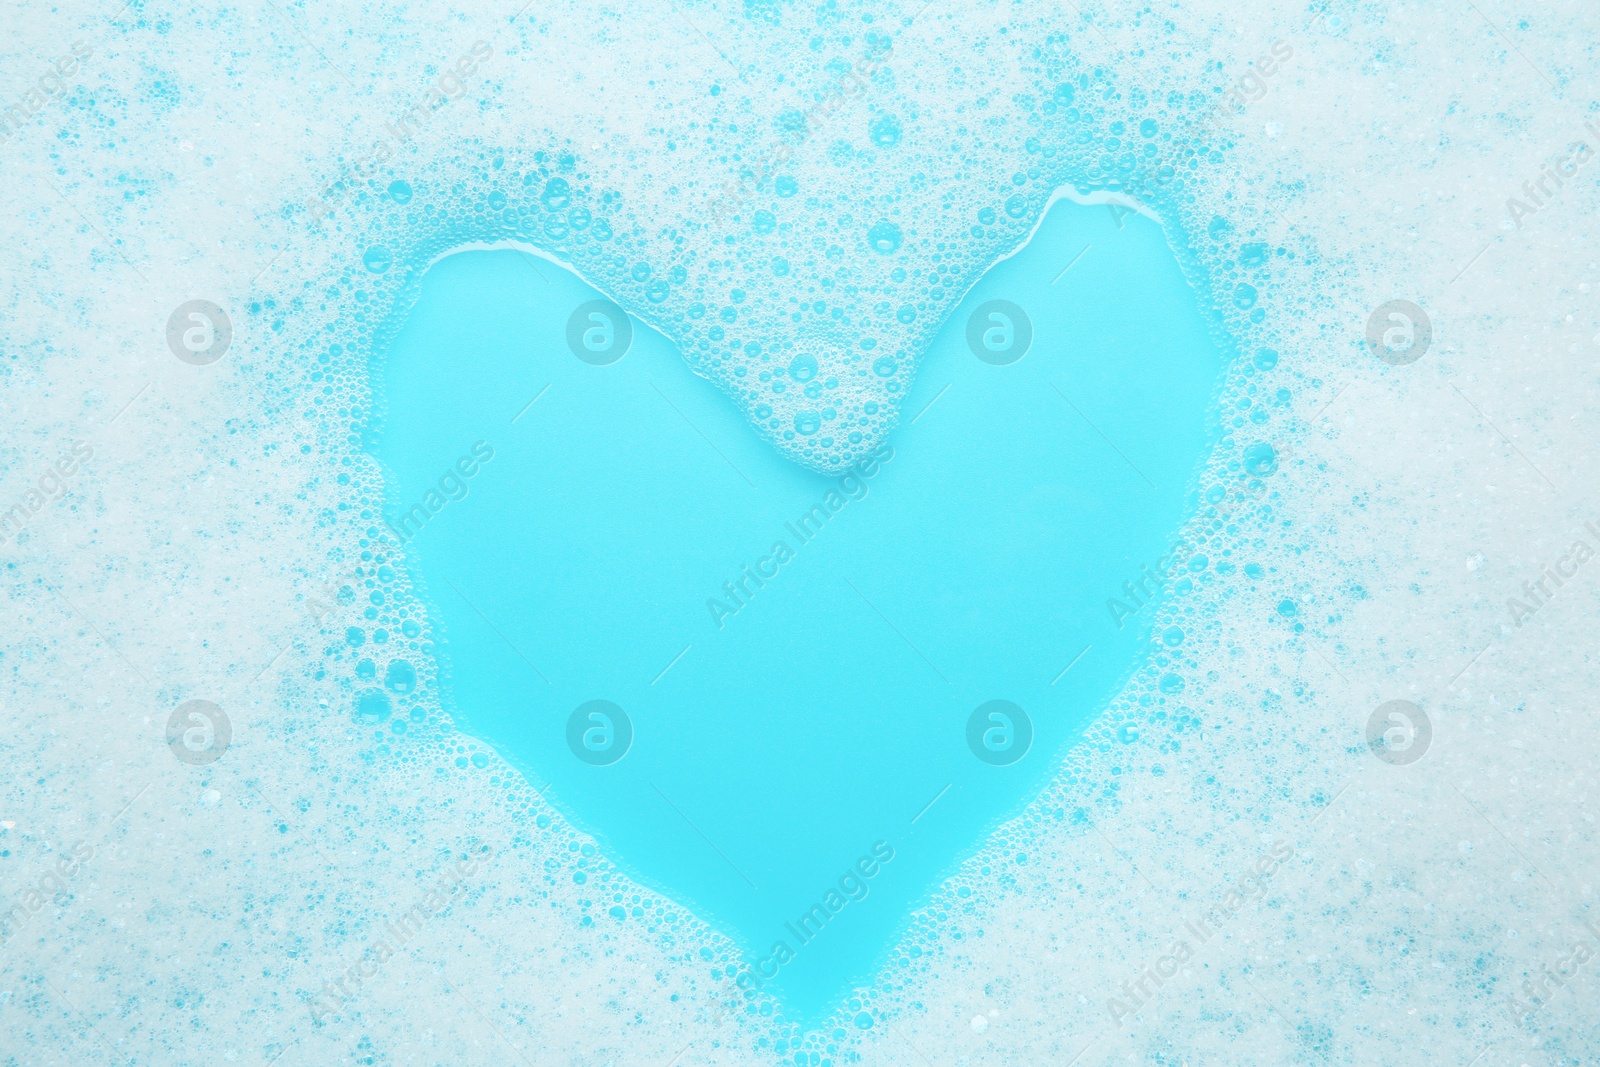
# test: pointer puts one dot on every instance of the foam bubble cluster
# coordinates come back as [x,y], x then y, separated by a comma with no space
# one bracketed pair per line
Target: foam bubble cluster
[797,196]
[806,283]
[801,241]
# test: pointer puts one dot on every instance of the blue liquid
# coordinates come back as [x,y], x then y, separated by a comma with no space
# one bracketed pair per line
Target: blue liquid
[821,719]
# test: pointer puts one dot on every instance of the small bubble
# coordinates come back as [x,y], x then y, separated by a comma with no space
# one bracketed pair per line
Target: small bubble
[884,237]
[401,677]
[557,194]
[803,368]
[1260,459]
[373,706]
[378,259]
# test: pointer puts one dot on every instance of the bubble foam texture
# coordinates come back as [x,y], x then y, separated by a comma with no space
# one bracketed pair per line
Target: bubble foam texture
[231,154]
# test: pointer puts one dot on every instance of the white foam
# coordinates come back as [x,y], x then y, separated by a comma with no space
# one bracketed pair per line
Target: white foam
[1410,504]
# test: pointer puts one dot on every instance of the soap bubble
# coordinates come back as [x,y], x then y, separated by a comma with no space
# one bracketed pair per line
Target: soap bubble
[884,237]
[1260,459]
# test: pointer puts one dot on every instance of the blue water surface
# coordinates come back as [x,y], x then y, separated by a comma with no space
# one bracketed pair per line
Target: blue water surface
[809,750]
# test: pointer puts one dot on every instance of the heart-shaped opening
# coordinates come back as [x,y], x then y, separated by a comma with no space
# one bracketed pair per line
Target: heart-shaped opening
[793,701]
